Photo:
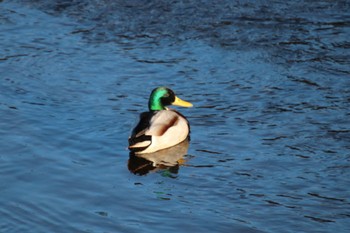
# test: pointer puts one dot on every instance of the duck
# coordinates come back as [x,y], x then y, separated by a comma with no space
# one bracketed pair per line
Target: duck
[160,127]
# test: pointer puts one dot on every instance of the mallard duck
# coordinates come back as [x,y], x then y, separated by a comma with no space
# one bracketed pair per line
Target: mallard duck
[160,127]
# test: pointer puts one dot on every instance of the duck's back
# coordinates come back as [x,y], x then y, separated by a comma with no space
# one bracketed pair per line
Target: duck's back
[158,130]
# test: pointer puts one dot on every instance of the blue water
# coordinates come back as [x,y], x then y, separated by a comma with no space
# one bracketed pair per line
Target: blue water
[270,127]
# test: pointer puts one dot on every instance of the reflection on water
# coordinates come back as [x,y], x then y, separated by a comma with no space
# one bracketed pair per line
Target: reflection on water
[168,159]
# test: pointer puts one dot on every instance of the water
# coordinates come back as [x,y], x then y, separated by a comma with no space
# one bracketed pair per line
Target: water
[270,140]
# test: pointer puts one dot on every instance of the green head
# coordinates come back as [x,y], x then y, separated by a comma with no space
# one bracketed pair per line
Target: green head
[162,96]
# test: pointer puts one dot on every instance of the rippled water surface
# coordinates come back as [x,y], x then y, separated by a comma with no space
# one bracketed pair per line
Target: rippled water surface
[270,130]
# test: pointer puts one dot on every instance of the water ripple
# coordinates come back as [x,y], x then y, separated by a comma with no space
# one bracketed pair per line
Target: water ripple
[269,148]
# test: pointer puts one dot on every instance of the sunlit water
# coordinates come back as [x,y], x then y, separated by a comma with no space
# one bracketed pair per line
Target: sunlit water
[270,130]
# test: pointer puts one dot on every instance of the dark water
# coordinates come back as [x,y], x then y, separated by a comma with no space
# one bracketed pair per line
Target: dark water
[270,142]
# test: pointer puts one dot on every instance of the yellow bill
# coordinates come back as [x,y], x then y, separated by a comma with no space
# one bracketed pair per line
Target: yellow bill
[182,103]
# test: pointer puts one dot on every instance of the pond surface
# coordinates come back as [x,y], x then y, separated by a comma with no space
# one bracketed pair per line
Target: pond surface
[270,127]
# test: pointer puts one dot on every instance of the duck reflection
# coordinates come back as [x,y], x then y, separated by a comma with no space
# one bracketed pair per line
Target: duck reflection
[167,159]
